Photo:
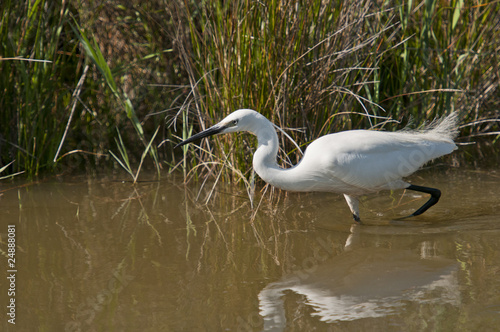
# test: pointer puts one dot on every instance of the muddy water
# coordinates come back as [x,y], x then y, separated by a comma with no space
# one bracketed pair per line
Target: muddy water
[104,255]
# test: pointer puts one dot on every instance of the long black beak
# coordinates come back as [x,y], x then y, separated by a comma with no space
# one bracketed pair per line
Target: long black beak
[209,132]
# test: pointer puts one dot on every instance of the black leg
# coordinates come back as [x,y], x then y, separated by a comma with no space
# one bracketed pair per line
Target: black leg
[435,194]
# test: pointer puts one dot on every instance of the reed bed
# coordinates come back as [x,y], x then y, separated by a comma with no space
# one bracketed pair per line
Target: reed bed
[115,84]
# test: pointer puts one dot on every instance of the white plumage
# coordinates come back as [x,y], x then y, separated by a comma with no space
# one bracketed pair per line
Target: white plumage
[353,163]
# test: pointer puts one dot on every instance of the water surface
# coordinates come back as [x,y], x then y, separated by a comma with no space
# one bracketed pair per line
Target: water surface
[105,255]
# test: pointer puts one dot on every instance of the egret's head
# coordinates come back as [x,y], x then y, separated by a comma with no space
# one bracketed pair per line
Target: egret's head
[240,120]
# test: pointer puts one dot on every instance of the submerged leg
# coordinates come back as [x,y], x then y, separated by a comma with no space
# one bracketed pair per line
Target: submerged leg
[353,203]
[435,194]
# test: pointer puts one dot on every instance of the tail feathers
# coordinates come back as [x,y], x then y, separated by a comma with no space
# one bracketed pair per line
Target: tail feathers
[446,127]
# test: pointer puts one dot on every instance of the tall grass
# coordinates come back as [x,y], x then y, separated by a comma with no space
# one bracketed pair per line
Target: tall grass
[298,63]
[36,60]
[449,63]
[74,75]
[328,66]
[94,53]
[56,115]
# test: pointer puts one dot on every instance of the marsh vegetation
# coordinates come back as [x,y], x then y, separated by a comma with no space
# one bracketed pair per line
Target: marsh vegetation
[112,84]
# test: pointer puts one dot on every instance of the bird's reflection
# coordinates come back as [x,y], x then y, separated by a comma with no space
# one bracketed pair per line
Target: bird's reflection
[364,282]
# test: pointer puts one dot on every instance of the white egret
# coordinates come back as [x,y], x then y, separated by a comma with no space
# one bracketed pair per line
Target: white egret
[353,162]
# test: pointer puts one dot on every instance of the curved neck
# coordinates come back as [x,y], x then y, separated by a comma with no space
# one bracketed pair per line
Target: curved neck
[267,148]
[264,159]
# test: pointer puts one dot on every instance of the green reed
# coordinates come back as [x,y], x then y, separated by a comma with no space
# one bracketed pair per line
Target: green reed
[297,63]
[34,70]
[44,60]
[94,53]
[448,63]
[326,66]
[172,67]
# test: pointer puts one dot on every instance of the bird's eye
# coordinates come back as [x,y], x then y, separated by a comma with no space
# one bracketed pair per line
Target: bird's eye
[235,122]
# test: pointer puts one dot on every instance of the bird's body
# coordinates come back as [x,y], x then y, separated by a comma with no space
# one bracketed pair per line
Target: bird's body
[353,163]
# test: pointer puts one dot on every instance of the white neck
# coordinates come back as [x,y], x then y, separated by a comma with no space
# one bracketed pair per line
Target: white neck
[264,159]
